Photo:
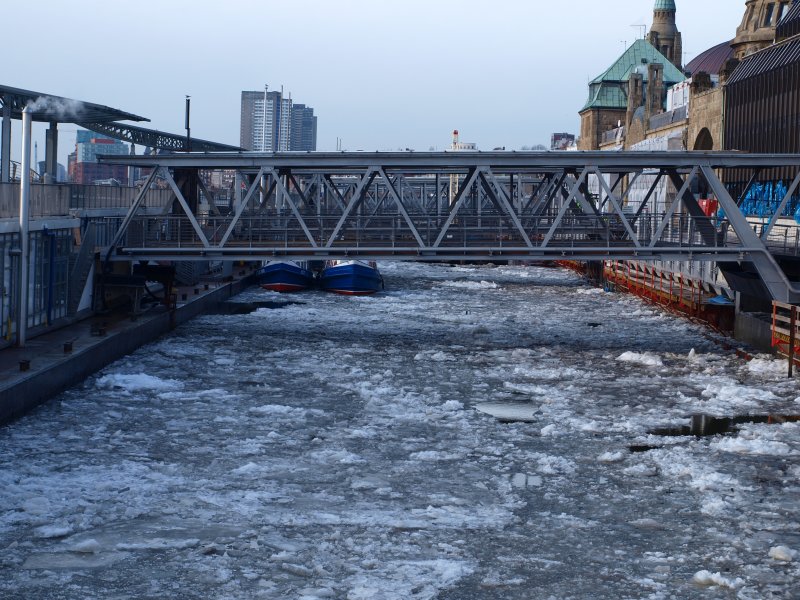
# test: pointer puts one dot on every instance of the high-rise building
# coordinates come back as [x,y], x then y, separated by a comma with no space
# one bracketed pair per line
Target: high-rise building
[85,169]
[266,121]
[271,122]
[304,128]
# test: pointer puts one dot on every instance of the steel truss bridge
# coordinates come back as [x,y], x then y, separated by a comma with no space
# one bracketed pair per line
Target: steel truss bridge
[454,206]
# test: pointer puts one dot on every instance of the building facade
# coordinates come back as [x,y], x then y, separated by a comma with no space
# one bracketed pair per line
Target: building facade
[304,129]
[271,122]
[757,30]
[83,166]
[762,102]
[266,121]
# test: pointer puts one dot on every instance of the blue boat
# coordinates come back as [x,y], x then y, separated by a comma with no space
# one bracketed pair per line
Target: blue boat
[284,276]
[351,277]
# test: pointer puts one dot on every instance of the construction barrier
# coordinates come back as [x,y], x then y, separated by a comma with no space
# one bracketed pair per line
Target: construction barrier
[785,332]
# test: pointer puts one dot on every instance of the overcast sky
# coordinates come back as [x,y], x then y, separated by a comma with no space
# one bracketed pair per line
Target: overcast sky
[380,74]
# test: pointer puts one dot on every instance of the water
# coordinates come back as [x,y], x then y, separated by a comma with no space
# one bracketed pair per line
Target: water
[332,449]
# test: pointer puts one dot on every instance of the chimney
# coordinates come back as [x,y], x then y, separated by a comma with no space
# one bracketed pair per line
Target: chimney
[635,97]
[727,70]
[655,90]
[701,82]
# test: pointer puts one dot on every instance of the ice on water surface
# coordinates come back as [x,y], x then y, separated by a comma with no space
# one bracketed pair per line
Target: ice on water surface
[349,448]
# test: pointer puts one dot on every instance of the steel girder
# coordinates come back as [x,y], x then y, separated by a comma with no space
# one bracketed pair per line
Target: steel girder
[508,206]
[153,138]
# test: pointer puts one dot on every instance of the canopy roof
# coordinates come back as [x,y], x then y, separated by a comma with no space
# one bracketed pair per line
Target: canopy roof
[50,108]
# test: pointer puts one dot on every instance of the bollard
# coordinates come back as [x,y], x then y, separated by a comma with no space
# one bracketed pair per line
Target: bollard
[67,347]
[205,287]
[183,297]
[196,291]
[24,364]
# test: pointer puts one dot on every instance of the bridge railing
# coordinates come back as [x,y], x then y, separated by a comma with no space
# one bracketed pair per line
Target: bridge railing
[271,232]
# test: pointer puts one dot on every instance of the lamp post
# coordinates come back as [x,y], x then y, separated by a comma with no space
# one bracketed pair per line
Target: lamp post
[188,131]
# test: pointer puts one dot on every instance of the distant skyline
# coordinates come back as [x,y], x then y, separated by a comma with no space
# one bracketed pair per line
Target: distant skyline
[380,76]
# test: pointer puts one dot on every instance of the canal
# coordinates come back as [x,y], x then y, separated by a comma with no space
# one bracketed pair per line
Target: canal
[338,447]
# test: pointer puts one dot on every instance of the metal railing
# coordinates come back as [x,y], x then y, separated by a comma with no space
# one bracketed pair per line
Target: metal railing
[389,234]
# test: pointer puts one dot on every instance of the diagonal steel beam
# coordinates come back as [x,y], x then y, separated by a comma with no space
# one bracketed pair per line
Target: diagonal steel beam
[546,196]
[366,181]
[617,181]
[288,199]
[617,208]
[185,206]
[401,207]
[703,222]
[501,199]
[264,204]
[771,274]
[212,202]
[672,208]
[564,207]
[123,228]
[544,185]
[750,183]
[459,202]
[647,197]
[581,199]
[241,208]
[335,191]
[304,197]
[781,207]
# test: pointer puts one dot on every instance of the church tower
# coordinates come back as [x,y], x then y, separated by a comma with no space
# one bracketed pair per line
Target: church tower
[757,30]
[664,34]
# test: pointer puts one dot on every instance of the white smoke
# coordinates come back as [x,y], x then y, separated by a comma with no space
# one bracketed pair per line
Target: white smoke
[56,106]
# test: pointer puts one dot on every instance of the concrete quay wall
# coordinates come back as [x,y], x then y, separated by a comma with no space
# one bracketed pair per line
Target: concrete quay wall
[52,371]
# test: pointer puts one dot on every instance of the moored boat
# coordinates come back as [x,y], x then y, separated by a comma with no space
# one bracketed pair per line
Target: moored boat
[284,276]
[351,277]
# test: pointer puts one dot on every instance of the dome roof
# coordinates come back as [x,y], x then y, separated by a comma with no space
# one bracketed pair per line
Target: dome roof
[712,60]
[665,5]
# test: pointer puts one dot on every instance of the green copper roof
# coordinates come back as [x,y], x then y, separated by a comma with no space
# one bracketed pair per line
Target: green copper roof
[610,89]
[665,5]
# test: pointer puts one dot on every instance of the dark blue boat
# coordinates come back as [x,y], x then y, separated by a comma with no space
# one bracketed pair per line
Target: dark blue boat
[284,276]
[351,277]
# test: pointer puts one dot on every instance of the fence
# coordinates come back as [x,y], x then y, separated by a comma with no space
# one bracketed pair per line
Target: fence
[785,332]
[58,200]
[45,200]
